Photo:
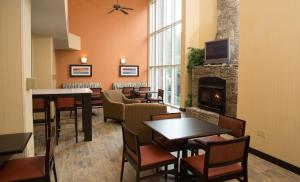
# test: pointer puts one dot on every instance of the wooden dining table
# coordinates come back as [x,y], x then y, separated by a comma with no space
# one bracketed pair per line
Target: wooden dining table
[184,129]
[82,93]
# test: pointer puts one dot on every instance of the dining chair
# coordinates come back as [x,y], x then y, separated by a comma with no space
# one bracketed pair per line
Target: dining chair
[222,161]
[159,98]
[32,168]
[235,125]
[143,97]
[145,157]
[171,146]
[66,103]
[127,91]
[39,106]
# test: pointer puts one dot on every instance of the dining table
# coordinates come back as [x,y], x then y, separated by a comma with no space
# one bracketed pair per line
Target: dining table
[84,94]
[184,129]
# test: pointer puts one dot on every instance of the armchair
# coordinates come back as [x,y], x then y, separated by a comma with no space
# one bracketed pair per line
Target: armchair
[114,105]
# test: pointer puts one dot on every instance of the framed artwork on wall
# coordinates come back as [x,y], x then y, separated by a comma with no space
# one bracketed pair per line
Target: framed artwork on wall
[77,70]
[129,71]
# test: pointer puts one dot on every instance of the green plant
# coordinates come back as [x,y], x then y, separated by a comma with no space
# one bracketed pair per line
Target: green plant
[195,58]
[188,102]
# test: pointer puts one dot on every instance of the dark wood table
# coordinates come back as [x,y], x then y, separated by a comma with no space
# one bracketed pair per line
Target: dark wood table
[184,129]
[83,93]
[13,143]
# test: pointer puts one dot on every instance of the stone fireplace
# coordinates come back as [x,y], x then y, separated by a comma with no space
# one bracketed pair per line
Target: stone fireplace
[210,101]
[214,92]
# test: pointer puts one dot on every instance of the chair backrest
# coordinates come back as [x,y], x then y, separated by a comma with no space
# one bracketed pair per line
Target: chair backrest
[96,90]
[50,146]
[144,88]
[225,153]
[136,114]
[237,126]
[131,144]
[160,93]
[114,95]
[38,104]
[65,103]
[127,90]
[166,116]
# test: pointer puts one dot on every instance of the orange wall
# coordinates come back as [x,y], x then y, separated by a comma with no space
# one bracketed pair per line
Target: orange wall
[105,38]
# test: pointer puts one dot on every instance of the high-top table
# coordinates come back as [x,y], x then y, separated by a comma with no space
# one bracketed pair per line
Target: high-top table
[84,93]
[184,129]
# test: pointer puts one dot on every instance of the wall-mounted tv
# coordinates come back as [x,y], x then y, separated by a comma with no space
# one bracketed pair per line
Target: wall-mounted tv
[217,52]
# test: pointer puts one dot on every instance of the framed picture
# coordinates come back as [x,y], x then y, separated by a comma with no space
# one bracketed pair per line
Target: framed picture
[129,71]
[81,70]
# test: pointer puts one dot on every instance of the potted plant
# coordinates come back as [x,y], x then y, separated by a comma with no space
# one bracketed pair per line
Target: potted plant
[195,58]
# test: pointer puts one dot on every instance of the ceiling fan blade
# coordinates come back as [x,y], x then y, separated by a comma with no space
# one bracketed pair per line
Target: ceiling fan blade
[111,11]
[128,8]
[124,11]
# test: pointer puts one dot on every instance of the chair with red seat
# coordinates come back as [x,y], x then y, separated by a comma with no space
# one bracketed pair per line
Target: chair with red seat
[235,125]
[32,168]
[39,106]
[145,157]
[143,96]
[171,146]
[66,103]
[222,161]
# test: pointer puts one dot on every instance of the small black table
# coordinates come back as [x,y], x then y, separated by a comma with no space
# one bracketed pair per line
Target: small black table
[13,143]
[184,129]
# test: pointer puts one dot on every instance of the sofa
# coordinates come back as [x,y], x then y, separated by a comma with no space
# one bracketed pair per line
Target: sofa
[136,114]
[120,85]
[114,105]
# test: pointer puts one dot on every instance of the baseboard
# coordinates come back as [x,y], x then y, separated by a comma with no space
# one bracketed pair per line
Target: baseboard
[275,161]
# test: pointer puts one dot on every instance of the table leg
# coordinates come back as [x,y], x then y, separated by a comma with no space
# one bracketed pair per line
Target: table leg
[87,117]
[184,148]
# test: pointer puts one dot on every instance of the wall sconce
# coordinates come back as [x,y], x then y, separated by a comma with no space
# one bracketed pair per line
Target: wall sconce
[123,61]
[84,60]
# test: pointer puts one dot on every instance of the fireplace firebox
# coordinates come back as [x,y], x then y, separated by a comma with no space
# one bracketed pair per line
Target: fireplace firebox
[212,94]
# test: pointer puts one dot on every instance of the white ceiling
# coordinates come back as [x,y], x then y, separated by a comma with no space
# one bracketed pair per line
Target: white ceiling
[50,17]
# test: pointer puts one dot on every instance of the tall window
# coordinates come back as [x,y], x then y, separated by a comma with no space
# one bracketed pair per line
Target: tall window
[165,48]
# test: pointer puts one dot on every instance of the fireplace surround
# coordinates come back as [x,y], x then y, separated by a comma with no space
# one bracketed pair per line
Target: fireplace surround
[212,94]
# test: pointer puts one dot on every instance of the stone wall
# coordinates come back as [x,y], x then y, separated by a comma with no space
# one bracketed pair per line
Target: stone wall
[226,72]
[228,26]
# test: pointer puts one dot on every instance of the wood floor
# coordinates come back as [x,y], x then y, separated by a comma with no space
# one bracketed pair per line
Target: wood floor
[100,160]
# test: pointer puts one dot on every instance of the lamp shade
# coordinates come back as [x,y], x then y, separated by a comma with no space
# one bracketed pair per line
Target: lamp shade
[84,60]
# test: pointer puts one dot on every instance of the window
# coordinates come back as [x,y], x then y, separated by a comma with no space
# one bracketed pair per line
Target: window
[165,48]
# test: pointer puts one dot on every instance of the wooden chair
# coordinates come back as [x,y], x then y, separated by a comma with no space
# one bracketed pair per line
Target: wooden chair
[145,157]
[39,106]
[143,97]
[32,168]
[171,146]
[159,98]
[235,125]
[65,104]
[222,161]
[127,91]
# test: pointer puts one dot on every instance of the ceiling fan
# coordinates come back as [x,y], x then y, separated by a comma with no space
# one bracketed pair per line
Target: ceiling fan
[118,7]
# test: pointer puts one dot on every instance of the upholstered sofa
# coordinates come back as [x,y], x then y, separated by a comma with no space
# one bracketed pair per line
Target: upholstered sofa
[114,105]
[120,85]
[136,114]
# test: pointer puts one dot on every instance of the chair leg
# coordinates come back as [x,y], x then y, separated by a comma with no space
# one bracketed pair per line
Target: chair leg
[166,170]
[71,112]
[176,171]
[105,119]
[57,126]
[122,168]
[46,126]
[76,125]
[137,178]
[54,171]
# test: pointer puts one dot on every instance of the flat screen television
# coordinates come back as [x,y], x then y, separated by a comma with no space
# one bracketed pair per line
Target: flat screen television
[217,52]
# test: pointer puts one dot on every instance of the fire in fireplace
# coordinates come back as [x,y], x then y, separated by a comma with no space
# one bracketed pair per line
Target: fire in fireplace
[212,94]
